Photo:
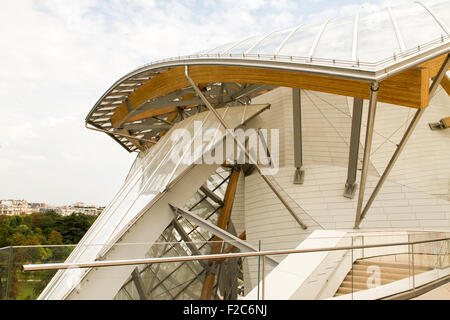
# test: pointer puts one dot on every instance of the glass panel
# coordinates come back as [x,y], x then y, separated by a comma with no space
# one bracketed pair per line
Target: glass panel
[301,42]
[376,28]
[442,11]
[271,44]
[192,292]
[169,281]
[245,45]
[336,41]
[416,25]
[221,48]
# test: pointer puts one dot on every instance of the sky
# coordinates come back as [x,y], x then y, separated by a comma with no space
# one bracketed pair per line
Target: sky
[57,57]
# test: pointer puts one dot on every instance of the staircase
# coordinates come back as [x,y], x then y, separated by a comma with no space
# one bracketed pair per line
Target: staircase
[374,272]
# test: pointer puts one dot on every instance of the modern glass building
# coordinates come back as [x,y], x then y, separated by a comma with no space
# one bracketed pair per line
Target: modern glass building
[343,143]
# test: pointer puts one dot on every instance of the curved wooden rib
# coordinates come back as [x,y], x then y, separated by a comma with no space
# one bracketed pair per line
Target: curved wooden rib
[409,88]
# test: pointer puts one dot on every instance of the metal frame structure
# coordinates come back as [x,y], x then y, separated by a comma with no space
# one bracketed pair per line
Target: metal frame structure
[299,175]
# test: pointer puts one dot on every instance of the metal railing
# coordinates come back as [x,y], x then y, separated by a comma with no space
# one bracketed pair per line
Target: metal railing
[23,269]
[115,263]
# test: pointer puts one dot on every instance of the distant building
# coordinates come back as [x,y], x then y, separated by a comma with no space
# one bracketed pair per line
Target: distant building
[14,207]
[21,207]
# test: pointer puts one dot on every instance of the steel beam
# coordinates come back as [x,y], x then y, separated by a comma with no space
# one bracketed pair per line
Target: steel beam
[190,244]
[263,144]
[367,146]
[242,147]
[299,175]
[350,185]
[215,230]
[210,194]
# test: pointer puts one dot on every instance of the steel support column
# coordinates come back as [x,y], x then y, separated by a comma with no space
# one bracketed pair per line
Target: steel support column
[298,151]
[350,185]
[240,146]
[367,146]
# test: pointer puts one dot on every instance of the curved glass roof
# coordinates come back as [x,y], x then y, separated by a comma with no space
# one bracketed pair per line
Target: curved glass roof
[367,36]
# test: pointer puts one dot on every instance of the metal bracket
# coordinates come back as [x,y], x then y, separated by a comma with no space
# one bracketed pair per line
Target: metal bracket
[299,176]
[350,190]
[442,124]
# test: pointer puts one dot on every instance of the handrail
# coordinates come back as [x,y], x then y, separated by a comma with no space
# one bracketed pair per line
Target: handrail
[112,263]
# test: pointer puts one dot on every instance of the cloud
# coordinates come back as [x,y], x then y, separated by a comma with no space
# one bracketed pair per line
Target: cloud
[21,131]
[31,157]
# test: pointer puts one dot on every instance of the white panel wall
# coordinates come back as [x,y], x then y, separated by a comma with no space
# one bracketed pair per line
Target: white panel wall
[238,210]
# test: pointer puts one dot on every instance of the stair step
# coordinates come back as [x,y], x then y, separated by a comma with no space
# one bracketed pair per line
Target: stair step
[356,279]
[384,280]
[391,265]
[343,290]
[355,285]
[405,271]
[385,275]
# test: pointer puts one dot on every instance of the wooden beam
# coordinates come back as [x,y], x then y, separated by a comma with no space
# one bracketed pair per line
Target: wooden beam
[434,65]
[208,285]
[222,223]
[410,88]
[403,89]
[445,83]
[446,122]
[157,86]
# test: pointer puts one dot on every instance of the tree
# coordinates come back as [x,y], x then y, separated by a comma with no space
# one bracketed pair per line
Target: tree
[55,238]
[74,226]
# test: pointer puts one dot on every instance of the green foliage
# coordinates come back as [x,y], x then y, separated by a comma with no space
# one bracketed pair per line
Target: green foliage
[46,228]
